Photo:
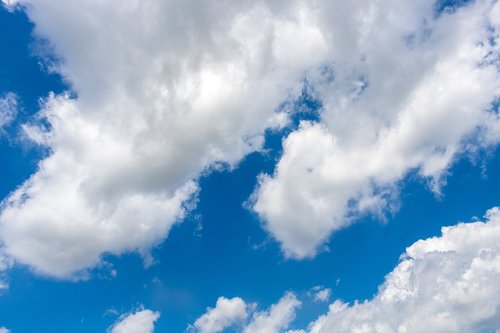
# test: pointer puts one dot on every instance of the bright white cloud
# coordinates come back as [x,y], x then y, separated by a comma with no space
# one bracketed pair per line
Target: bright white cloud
[186,88]
[443,284]
[8,109]
[405,91]
[4,330]
[277,318]
[227,312]
[139,322]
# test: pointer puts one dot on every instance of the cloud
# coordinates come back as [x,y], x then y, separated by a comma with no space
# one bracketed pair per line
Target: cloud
[407,90]
[139,322]
[190,88]
[321,294]
[442,284]
[8,109]
[4,330]
[277,318]
[227,312]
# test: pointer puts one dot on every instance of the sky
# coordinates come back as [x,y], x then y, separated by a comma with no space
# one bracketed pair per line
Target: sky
[251,166]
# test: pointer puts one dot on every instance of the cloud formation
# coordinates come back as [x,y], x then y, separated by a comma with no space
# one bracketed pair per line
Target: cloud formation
[407,90]
[442,284]
[189,88]
[231,311]
[227,312]
[139,322]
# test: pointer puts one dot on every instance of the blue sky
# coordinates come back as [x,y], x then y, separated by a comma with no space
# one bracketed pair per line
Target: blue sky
[263,178]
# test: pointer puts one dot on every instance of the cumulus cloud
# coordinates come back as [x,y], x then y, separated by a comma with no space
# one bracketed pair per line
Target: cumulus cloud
[139,322]
[277,318]
[188,88]
[407,89]
[4,330]
[8,109]
[442,284]
[227,312]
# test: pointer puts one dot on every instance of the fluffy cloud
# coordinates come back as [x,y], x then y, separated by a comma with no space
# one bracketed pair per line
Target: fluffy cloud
[189,87]
[277,318]
[442,284]
[139,322]
[4,330]
[407,90]
[230,311]
[8,109]
[226,313]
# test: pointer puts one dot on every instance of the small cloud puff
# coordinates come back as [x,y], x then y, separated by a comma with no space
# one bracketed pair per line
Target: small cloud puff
[141,321]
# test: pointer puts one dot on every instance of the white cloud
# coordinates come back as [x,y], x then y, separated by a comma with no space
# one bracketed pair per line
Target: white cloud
[189,86]
[4,330]
[277,318]
[411,92]
[8,109]
[227,312]
[321,294]
[139,322]
[443,284]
